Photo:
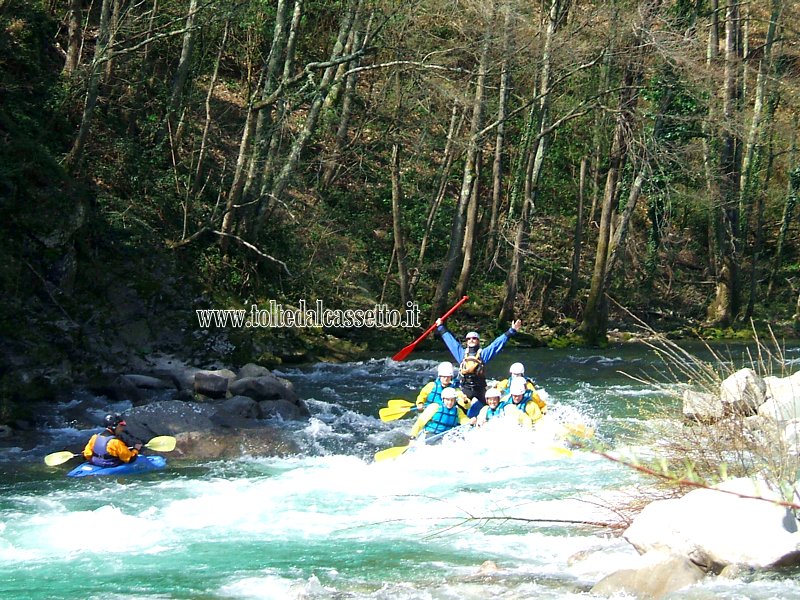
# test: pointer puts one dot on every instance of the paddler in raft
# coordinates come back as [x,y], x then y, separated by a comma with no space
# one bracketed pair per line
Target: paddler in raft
[432,391]
[473,359]
[526,411]
[106,449]
[438,418]
[517,372]
[492,408]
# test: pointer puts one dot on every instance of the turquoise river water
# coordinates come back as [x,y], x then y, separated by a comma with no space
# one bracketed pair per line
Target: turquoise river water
[330,523]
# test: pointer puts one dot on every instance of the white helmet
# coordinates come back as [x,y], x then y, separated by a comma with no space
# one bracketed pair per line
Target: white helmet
[516,388]
[492,393]
[445,370]
[449,392]
[517,369]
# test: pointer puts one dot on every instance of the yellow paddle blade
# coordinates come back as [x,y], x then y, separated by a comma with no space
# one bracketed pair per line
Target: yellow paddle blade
[392,414]
[400,403]
[390,453]
[579,430]
[161,443]
[561,451]
[58,458]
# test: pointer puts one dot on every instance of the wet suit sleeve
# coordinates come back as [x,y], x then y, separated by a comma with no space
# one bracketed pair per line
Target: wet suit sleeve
[497,345]
[452,343]
[463,419]
[87,451]
[118,448]
[422,397]
[533,412]
[423,419]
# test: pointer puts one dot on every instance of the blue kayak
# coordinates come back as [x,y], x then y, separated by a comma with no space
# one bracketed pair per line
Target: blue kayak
[143,464]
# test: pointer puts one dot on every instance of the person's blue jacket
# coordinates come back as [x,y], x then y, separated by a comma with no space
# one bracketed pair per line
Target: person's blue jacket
[457,350]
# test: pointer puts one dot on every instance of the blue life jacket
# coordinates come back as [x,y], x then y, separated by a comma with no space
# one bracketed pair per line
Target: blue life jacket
[510,402]
[529,386]
[444,419]
[100,455]
[494,412]
[435,394]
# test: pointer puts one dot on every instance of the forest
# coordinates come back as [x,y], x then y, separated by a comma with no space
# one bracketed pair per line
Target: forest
[579,165]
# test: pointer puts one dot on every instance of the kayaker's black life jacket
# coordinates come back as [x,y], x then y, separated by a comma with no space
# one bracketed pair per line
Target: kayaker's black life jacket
[473,374]
[100,455]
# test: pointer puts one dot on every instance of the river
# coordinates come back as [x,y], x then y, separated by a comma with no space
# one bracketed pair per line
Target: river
[331,523]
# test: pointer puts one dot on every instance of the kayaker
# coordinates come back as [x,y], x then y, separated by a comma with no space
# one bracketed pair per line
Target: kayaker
[438,418]
[473,359]
[492,408]
[106,449]
[517,371]
[514,403]
[432,391]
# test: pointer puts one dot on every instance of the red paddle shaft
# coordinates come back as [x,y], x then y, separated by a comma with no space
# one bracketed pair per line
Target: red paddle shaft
[410,348]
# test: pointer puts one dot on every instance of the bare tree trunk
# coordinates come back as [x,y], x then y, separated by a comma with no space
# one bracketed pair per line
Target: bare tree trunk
[195,187]
[597,145]
[112,37]
[150,27]
[470,232]
[709,150]
[752,156]
[447,165]
[331,163]
[577,239]
[621,230]
[279,117]
[459,219]
[310,124]
[792,193]
[182,73]
[555,16]
[397,223]
[497,165]
[594,324]
[752,149]
[92,88]
[264,119]
[725,305]
[237,185]
[75,37]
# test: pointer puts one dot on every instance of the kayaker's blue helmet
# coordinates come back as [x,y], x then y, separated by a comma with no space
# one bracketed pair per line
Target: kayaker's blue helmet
[113,420]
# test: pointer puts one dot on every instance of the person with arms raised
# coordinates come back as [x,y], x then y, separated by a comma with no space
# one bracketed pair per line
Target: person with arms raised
[472,360]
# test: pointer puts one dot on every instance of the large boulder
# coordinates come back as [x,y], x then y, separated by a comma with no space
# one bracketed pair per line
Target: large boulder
[169,417]
[212,384]
[717,527]
[743,392]
[148,382]
[783,398]
[284,410]
[214,445]
[656,575]
[702,407]
[209,430]
[264,387]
